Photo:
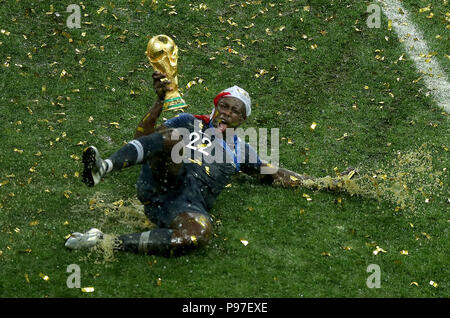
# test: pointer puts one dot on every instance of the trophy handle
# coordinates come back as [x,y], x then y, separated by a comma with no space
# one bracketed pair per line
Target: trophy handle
[174,58]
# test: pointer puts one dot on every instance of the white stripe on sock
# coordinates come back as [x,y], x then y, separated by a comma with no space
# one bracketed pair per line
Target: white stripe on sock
[139,149]
[143,242]
[109,165]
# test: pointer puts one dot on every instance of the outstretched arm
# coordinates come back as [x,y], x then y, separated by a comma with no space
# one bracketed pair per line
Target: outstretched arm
[147,125]
[281,177]
[287,178]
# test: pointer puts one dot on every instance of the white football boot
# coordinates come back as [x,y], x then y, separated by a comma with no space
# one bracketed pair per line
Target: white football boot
[90,239]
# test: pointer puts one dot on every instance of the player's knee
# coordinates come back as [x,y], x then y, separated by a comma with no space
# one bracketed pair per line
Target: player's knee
[192,229]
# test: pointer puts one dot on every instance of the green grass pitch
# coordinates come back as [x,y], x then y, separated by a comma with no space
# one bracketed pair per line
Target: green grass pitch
[302,62]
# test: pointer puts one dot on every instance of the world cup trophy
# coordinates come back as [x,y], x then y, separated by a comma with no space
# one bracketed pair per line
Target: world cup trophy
[162,52]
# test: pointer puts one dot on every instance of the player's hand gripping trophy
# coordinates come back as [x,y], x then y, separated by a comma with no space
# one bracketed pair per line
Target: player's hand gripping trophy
[162,52]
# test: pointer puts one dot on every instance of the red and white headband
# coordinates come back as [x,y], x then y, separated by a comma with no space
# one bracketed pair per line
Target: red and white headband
[239,93]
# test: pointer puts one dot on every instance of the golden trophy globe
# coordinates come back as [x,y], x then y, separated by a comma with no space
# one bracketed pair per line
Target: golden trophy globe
[162,52]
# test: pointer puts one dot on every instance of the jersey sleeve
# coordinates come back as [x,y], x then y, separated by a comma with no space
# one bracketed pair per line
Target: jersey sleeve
[251,163]
[182,120]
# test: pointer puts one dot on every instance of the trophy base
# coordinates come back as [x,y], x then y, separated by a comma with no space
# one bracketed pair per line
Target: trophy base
[174,103]
[177,107]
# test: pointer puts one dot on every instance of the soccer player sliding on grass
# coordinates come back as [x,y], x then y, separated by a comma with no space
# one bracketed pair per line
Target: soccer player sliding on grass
[178,195]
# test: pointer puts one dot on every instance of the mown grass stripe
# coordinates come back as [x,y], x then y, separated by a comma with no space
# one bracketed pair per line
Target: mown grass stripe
[412,38]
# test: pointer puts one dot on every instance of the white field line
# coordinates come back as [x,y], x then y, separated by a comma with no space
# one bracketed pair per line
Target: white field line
[416,47]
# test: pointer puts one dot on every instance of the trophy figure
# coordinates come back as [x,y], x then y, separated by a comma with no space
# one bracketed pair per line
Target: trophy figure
[162,52]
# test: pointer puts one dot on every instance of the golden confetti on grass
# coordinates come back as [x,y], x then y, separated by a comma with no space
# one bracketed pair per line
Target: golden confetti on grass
[400,186]
[434,284]
[414,283]
[260,73]
[158,281]
[313,126]
[200,7]
[130,214]
[425,9]
[44,277]
[232,23]
[190,84]
[378,250]
[87,289]
[118,203]
[404,252]
[244,241]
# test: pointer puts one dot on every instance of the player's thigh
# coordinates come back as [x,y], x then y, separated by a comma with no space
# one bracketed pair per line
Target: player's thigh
[171,137]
